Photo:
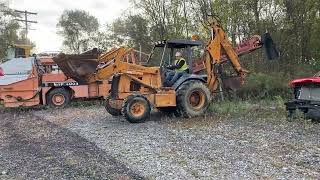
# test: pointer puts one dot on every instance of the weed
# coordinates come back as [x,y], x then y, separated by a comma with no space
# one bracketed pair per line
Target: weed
[86,103]
[71,162]
[271,108]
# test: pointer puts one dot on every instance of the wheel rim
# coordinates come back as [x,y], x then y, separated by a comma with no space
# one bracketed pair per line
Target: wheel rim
[137,108]
[58,99]
[197,99]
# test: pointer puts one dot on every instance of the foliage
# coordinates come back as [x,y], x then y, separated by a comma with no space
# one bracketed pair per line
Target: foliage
[78,28]
[265,86]
[131,30]
[167,18]
[8,29]
[293,24]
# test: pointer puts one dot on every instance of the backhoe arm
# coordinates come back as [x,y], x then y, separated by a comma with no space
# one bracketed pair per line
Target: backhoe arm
[218,46]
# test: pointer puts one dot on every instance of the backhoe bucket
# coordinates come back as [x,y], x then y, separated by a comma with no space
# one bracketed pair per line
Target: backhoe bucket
[78,67]
[269,47]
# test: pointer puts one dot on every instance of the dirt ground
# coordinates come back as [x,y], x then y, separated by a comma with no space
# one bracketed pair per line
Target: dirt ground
[87,143]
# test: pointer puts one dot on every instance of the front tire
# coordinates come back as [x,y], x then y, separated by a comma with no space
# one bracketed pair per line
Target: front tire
[136,108]
[59,98]
[193,99]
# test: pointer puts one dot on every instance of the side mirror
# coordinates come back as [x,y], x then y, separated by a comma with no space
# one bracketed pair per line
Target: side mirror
[269,47]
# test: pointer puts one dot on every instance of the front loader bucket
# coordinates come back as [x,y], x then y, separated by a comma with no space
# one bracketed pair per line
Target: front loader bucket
[78,67]
[269,47]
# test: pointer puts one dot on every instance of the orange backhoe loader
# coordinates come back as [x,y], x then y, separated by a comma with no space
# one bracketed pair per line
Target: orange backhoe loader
[136,89]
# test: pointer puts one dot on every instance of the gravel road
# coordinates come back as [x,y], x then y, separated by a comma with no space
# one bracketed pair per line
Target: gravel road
[86,142]
[34,148]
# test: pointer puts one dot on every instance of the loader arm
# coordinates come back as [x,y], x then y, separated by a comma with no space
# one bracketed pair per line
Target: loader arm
[129,55]
[114,64]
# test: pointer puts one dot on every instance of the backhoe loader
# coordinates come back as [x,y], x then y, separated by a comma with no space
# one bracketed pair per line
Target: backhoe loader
[137,89]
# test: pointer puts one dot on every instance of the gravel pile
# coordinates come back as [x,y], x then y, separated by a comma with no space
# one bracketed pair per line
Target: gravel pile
[200,148]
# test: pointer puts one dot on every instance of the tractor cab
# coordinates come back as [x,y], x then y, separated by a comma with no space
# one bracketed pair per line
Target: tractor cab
[165,51]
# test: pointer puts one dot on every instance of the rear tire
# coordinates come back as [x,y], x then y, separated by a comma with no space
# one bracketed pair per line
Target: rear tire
[136,108]
[110,109]
[58,98]
[193,99]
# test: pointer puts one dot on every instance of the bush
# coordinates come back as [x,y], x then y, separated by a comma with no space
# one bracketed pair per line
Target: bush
[262,86]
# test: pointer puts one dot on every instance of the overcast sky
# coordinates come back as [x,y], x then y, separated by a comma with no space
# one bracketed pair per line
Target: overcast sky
[45,36]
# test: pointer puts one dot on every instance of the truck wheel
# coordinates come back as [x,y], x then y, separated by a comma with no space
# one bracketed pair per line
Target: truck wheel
[193,99]
[110,109]
[136,108]
[58,98]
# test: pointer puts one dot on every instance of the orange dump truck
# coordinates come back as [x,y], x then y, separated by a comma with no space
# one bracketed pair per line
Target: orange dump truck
[39,81]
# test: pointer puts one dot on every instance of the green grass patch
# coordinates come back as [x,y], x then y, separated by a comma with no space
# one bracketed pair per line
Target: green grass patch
[86,103]
[268,108]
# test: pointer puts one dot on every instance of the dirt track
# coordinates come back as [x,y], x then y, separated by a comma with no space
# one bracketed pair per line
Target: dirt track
[87,143]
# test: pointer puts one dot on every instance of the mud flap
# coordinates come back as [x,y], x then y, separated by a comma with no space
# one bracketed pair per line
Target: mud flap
[115,86]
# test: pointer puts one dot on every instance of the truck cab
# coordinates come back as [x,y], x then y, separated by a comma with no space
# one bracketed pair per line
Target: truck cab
[19,51]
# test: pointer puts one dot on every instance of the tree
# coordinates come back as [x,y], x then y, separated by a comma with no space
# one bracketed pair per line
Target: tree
[8,29]
[78,28]
[131,30]
[167,18]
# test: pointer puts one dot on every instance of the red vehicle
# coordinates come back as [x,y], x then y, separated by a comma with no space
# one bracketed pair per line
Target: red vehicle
[31,82]
[306,97]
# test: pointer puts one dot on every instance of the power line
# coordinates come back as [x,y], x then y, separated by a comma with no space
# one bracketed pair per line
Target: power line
[26,21]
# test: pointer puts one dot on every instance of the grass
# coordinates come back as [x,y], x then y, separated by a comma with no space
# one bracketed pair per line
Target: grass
[74,103]
[227,108]
[250,108]
[86,103]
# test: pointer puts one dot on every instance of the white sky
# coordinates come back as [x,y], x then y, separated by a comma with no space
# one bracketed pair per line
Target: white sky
[45,36]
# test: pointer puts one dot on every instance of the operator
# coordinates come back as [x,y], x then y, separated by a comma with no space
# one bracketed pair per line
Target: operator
[180,68]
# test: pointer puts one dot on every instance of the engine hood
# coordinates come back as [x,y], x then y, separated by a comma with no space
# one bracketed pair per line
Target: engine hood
[310,80]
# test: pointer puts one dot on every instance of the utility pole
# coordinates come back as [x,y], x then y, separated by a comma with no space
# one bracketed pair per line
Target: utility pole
[26,21]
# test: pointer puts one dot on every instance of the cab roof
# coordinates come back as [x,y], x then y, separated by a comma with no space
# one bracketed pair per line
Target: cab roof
[178,43]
